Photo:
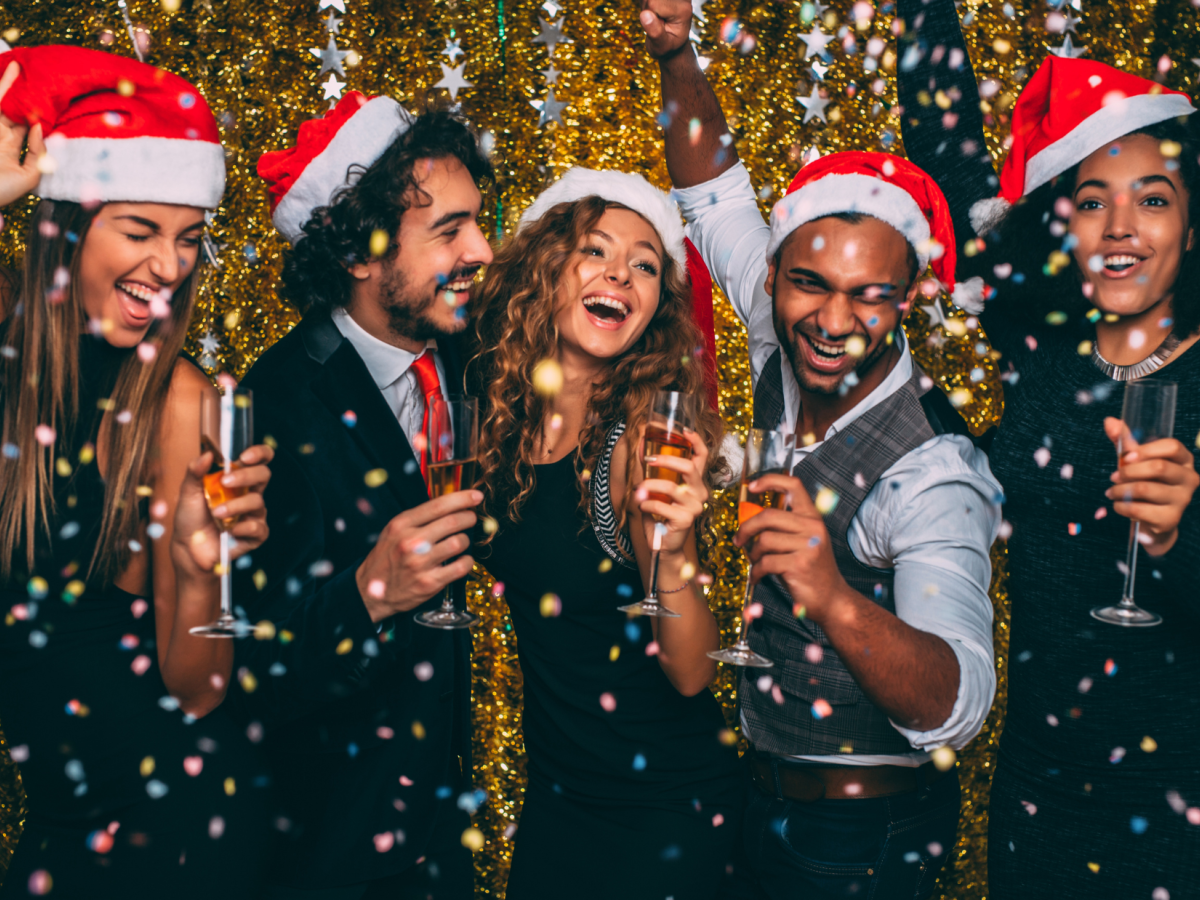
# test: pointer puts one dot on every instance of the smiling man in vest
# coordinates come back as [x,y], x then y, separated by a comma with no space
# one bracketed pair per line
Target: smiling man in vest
[874,606]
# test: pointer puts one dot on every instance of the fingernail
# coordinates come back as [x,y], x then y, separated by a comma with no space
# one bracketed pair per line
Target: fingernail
[1131,456]
[477,496]
[220,512]
[651,459]
[228,480]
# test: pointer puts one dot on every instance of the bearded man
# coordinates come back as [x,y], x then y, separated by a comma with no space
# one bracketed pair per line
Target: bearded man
[365,714]
[873,584]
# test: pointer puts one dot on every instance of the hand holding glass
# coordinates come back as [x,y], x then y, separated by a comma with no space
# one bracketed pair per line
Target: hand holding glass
[1148,411]
[452,442]
[671,413]
[226,430]
[767,452]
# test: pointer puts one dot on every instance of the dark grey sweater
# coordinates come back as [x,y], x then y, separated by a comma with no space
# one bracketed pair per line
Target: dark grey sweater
[1083,696]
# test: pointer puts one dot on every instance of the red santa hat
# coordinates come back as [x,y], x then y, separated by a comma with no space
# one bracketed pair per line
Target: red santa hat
[656,207]
[116,129]
[888,188]
[354,134]
[1070,109]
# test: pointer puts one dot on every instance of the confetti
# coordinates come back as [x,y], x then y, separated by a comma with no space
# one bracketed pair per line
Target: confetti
[944,759]
[547,378]
[472,839]
[821,709]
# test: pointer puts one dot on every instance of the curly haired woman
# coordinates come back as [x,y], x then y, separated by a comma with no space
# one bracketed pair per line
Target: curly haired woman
[630,784]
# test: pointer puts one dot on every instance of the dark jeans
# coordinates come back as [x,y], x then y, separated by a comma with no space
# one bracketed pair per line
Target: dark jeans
[883,848]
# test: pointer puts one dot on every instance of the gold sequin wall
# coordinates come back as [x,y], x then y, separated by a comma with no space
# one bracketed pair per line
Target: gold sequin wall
[597,99]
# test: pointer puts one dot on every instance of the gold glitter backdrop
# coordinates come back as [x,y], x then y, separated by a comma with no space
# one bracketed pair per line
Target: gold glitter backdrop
[597,99]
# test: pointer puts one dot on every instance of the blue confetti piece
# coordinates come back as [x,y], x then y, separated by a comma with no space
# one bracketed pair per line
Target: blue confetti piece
[671,852]
[1025,656]
[1138,825]
[639,763]
[444,792]
[410,466]
[352,750]
[156,789]
[912,856]
[277,669]
[633,632]
[74,770]
[624,590]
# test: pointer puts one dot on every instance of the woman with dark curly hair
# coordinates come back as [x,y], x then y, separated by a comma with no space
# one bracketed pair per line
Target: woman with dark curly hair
[631,784]
[1091,252]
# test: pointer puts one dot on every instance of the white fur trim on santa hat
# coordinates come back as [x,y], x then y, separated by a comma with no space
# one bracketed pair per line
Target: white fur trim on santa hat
[852,193]
[360,141]
[987,214]
[1108,123]
[626,188]
[968,295]
[134,170]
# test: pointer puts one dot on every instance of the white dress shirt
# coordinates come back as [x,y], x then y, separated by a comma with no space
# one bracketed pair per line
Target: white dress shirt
[391,370]
[932,517]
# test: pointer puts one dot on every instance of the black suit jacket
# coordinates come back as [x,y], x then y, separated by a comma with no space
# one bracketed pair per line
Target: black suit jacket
[360,745]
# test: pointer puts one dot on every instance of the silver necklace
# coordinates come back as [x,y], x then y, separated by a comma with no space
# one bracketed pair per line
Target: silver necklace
[1151,363]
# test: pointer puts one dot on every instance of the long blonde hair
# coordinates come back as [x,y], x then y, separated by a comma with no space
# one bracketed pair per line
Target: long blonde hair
[39,380]
[515,328]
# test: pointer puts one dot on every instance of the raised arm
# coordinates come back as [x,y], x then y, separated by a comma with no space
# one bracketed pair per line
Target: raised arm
[693,157]
[942,122]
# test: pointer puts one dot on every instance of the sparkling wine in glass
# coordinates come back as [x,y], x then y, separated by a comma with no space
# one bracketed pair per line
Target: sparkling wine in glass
[671,413]
[767,453]
[1148,411]
[226,430]
[451,447]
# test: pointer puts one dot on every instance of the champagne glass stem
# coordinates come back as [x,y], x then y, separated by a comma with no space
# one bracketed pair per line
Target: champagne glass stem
[1131,564]
[226,578]
[447,599]
[744,631]
[652,594]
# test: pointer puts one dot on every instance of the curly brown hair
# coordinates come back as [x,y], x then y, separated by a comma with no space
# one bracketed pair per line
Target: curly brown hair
[515,329]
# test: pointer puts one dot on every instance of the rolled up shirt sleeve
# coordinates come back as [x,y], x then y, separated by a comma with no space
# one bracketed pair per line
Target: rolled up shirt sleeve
[725,224]
[933,518]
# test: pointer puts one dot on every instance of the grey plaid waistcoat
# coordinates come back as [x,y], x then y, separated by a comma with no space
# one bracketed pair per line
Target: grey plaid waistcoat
[850,464]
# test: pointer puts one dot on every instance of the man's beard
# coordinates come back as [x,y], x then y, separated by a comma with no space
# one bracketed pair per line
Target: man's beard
[810,381]
[410,315]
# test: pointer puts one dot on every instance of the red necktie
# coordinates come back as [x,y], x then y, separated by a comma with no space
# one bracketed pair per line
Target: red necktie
[431,389]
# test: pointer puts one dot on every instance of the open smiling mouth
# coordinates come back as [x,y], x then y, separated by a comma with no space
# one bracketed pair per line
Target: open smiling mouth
[823,350]
[137,292]
[608,309]
[1120,262]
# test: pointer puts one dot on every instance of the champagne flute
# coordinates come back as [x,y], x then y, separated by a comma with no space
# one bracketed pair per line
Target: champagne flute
[1149,412]
[451,445]
[767,453]
[671,413]
[226,430]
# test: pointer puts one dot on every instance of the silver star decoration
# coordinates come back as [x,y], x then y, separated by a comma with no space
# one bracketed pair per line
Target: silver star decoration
[815,41]
[452,80]
[1068,50]
[1072,21]
[453,50]
[552,8]
[1196,62]
[936,315]
[818,70]
[550,109]
[209,342]
[332,23]
[551,74]
[333,88]
[814,104]
[552,34]
[820,8]
[331,57]
[339,5]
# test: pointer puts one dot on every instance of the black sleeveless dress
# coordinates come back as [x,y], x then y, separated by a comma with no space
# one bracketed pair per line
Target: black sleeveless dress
[127,796]
[631,793]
